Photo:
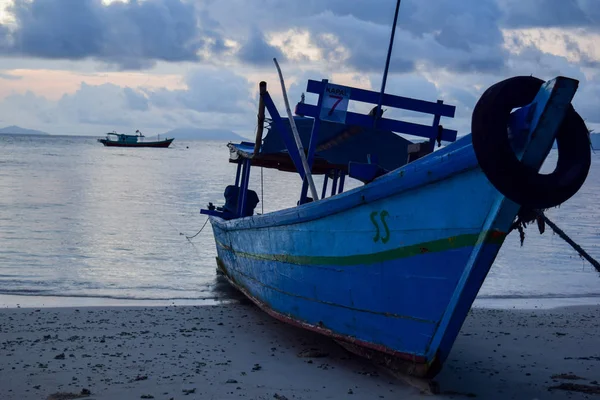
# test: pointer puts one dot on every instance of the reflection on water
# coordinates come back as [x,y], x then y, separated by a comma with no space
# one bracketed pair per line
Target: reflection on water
[80,219]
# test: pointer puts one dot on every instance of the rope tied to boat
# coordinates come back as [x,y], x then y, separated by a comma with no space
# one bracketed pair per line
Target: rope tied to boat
[527,216]
[197,233]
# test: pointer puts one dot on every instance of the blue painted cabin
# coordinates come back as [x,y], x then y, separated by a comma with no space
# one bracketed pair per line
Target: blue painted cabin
[391,268]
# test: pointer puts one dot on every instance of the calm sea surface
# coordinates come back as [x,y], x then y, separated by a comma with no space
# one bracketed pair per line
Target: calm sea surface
[78,219]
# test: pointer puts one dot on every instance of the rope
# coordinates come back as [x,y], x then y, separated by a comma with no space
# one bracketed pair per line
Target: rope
[197,233]
[262,202]
[567,239]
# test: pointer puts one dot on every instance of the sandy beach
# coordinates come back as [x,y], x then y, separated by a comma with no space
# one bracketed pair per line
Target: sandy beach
[236,351]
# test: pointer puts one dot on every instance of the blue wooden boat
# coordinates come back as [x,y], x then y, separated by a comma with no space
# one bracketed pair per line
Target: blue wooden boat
[391,268]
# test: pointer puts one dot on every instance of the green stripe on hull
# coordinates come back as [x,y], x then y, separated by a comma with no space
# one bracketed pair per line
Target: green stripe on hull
[435,246]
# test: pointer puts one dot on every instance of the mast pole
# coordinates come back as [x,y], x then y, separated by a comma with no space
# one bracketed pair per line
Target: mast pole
[262,89]
[387,64]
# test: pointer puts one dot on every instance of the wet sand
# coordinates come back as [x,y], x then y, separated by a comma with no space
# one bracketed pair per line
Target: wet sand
[236,351]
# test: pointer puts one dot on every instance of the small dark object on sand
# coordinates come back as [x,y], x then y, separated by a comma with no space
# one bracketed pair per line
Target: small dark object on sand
[577,387]
[454,393]
[312,353]
[69,396]
[567,376]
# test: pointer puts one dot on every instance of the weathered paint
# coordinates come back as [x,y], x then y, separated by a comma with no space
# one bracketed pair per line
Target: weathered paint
[409,128]
[328,268]
[319,266]
[409,361]
[548,107]
[390,100]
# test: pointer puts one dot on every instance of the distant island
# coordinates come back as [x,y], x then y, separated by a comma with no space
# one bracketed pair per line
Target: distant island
[17,130]
[203,134]
[179,133]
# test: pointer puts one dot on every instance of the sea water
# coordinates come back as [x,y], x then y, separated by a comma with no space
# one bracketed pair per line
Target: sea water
[81,220]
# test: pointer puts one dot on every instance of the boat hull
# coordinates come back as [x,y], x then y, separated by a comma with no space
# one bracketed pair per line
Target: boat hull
[391,268]
[114,143]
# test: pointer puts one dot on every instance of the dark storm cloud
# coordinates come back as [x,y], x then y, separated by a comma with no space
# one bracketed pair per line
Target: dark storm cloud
[135,100]
[437,32]
[460,36]
[551,13]
[130,35]
[257,51]
[208,90]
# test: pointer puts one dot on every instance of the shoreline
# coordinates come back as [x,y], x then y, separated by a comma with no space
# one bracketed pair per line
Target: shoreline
[8,301]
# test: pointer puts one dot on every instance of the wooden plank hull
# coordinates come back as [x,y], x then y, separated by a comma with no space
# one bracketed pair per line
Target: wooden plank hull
[392,268]
[114,143]
[383,266]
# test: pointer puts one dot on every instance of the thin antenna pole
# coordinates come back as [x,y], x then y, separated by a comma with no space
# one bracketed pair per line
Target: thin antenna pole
[387,64]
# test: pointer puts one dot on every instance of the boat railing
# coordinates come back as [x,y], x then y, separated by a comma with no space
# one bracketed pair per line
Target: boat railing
[332,105]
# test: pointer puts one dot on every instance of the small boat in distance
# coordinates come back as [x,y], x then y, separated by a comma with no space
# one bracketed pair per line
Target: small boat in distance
[123,140]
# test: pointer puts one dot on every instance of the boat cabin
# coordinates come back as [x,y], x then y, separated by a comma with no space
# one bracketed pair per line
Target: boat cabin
[123,138]
[338,143]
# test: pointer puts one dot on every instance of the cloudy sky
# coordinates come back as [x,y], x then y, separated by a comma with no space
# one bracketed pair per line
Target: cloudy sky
[88,66]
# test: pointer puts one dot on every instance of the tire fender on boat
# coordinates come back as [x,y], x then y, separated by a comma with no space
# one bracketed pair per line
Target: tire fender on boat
[516,181]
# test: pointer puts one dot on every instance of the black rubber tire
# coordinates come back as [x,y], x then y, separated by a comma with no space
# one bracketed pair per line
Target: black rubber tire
[516,181]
